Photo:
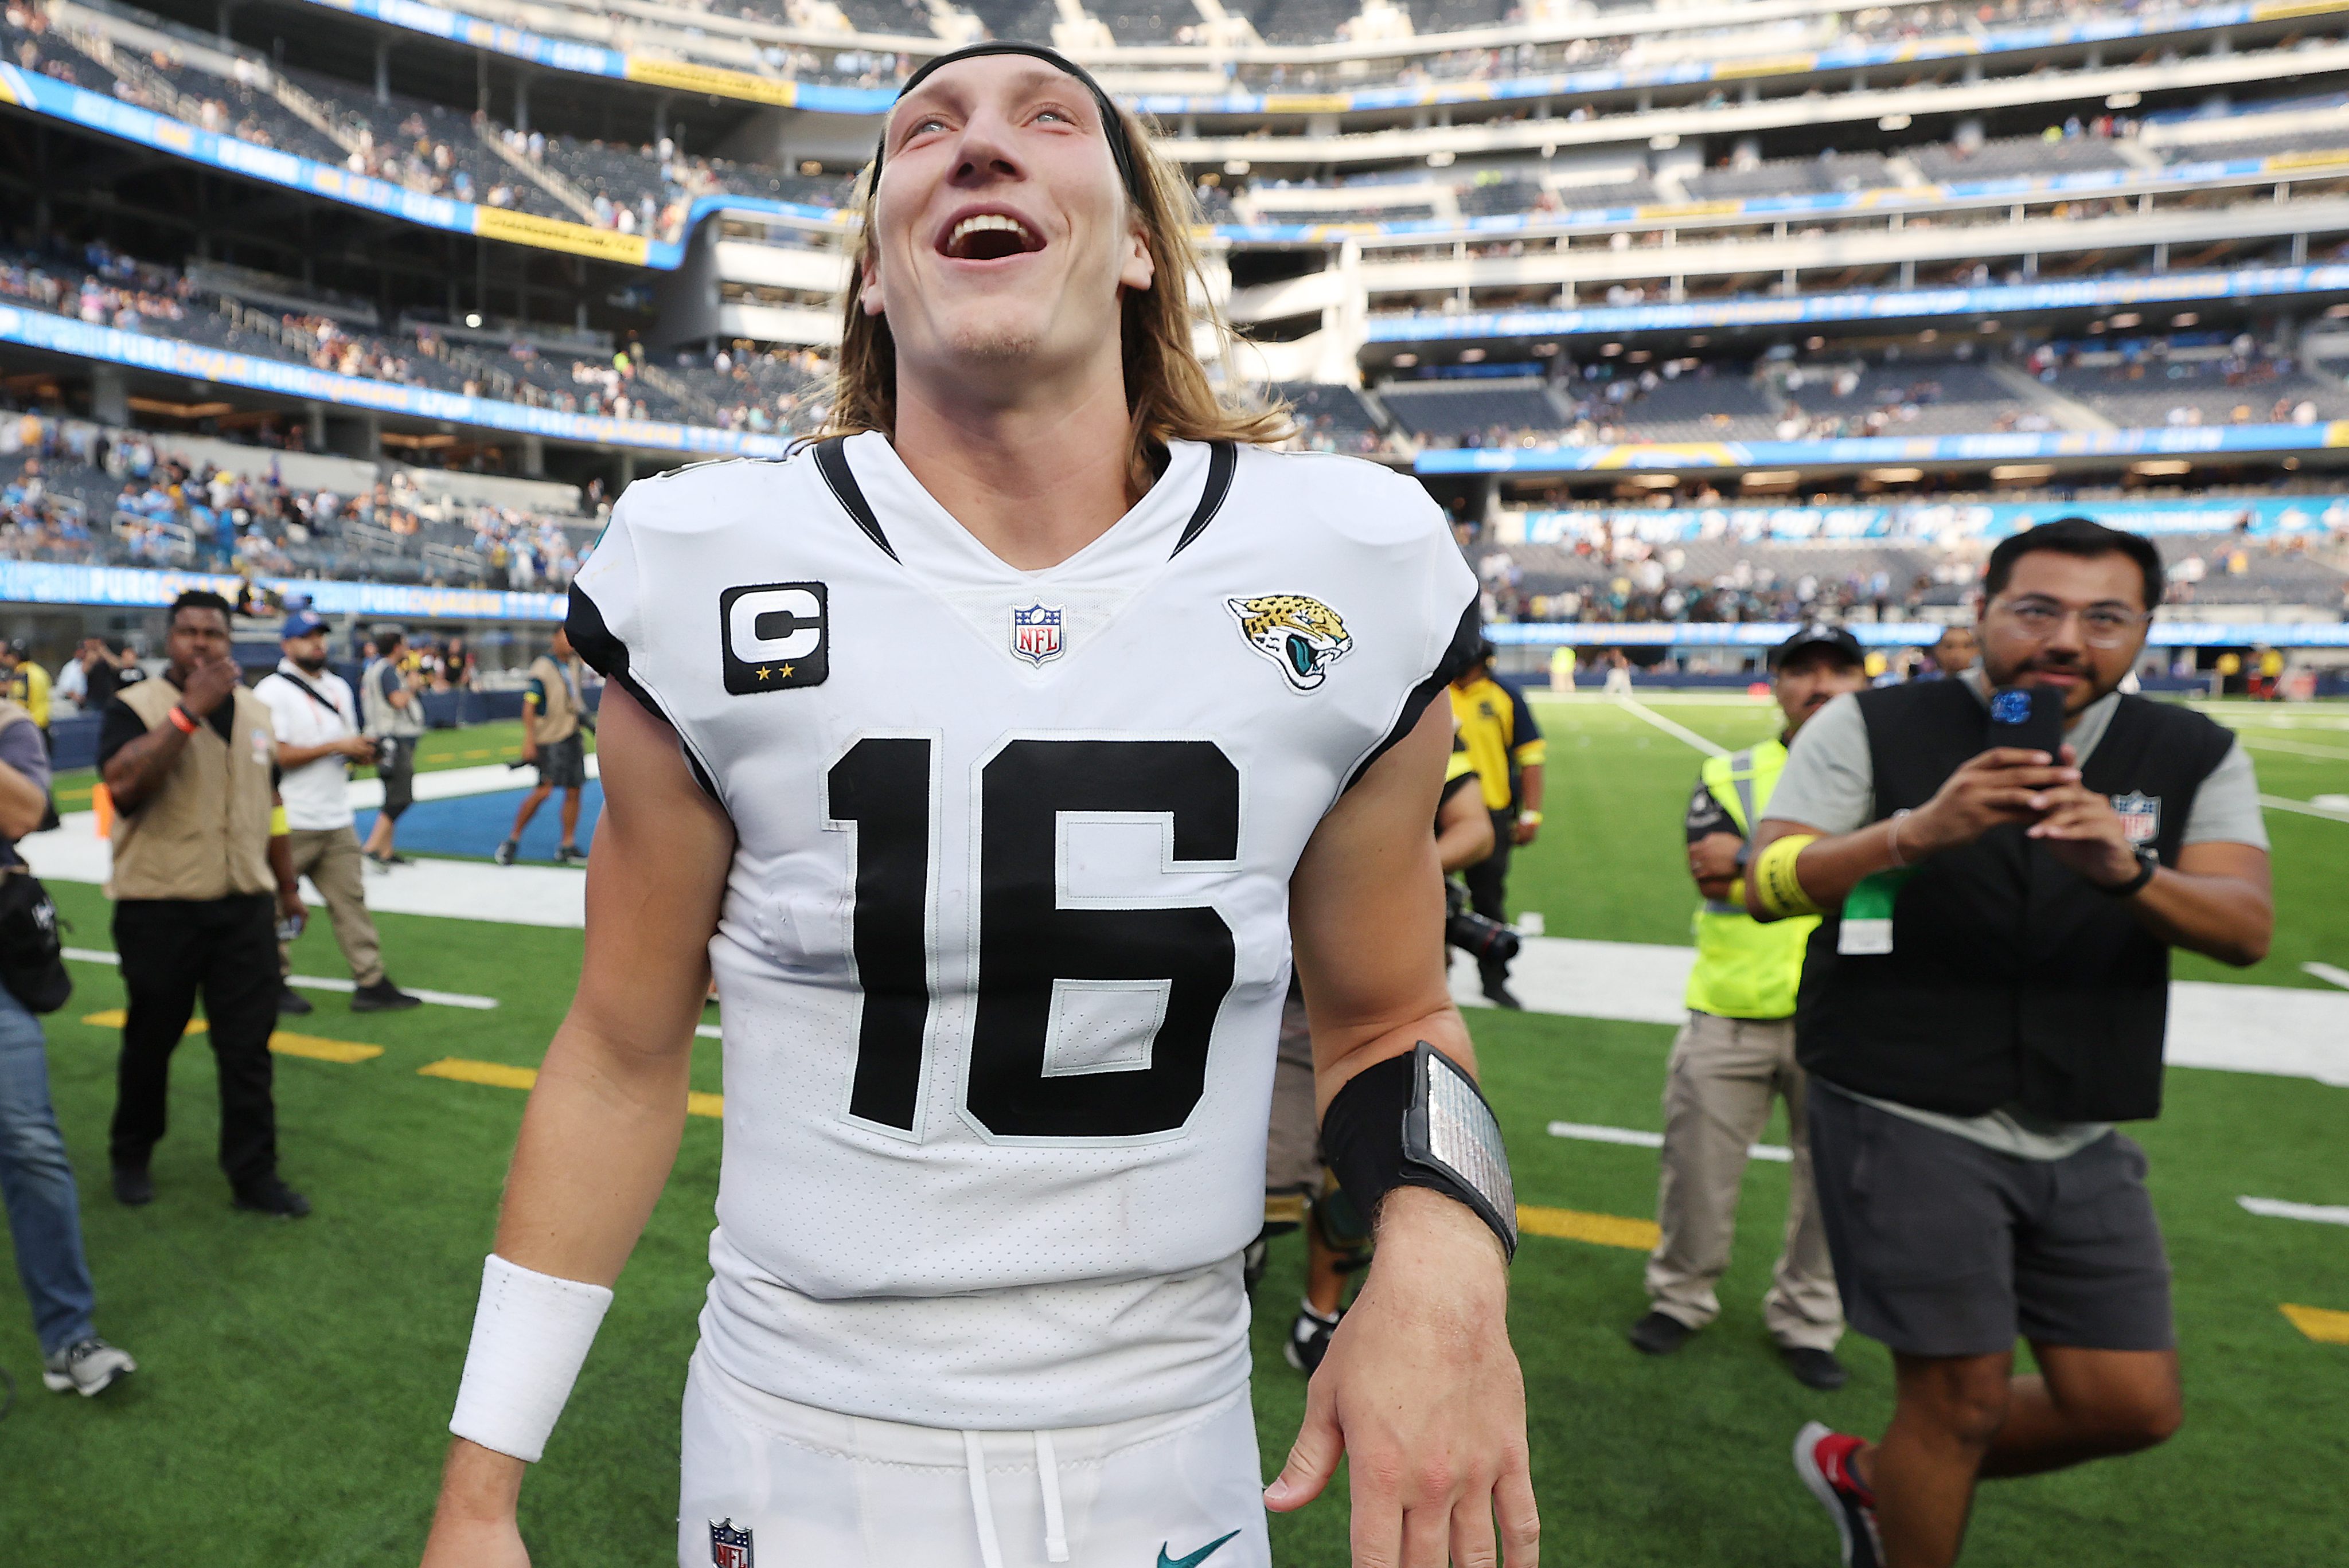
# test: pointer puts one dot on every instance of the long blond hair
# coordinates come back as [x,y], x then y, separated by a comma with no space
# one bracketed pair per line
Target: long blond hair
[1167,391]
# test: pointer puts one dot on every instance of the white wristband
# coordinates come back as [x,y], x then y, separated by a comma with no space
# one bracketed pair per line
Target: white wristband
[531,1335]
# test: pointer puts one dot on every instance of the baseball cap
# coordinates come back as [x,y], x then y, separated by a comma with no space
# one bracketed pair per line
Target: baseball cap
[1818,634]
[300,623]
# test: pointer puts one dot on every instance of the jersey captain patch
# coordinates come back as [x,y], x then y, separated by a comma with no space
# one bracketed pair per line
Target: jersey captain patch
[774,636]
[1303,636]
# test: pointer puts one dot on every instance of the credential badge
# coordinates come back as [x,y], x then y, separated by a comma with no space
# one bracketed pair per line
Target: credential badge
[2140,816]
[1036,632]
[729,1547]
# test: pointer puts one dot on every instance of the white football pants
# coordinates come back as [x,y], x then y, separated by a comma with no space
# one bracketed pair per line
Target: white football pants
[772,1484]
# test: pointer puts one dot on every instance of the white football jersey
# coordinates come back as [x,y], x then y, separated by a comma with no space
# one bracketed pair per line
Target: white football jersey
[1006,936]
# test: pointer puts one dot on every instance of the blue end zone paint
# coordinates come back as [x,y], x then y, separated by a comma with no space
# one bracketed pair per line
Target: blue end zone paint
[476,824]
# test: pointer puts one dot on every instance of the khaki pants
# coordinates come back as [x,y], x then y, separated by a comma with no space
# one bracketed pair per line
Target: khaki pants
[1717,1094]
[329,857]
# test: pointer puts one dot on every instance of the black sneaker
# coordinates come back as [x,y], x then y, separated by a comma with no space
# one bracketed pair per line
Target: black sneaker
[1659,1334]
[1814,1368]
[293,1002]
[570,855]
[383,997]
[273,1198]
[504,853]
[134,1186]
[1822,1459]
[1309,1339]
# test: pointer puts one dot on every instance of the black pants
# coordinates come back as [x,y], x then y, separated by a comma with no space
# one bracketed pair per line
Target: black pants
[170,948]
[1489,883]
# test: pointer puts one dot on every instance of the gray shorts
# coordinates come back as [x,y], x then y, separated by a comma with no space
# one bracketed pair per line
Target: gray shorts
[563,764]
[1943,1247]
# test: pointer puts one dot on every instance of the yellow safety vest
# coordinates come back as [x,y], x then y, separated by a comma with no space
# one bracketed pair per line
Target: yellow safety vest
[1744,968]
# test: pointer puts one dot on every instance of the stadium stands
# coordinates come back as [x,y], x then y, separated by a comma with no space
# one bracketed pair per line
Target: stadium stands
[1791,176]
[2020,155]
[1473,413]
[1908,398]
[2149,390]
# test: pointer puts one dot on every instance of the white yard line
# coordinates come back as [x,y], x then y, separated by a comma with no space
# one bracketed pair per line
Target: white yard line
[2304,808]
[2329,973]
[316,982]
[1678,732]
[1632,1138]
[2296,747]
[2277,1208]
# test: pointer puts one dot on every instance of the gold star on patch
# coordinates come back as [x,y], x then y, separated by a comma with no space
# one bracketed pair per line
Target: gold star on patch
[787,671]
[764,672]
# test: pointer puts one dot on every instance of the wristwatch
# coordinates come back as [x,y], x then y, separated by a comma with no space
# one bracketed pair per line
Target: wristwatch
[2147,862]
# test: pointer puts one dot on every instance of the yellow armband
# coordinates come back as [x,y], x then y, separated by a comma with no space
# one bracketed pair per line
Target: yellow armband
[277,828]
[1775,882]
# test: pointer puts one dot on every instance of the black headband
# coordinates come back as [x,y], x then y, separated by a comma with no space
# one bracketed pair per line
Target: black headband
[1113,126]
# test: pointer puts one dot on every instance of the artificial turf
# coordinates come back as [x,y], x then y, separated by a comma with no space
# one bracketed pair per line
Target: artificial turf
[292,1403]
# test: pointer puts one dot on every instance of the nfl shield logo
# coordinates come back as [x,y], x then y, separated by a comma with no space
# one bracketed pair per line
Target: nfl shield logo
[729,1547]
[1036,632]
[2140,816]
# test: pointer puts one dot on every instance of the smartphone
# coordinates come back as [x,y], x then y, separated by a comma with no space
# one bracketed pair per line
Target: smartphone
[2030,717]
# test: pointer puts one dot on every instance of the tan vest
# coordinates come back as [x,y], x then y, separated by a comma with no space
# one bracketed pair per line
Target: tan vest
[204,833]
[559,718]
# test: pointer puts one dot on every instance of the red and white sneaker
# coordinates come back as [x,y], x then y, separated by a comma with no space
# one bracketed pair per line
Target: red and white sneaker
[1822,1459]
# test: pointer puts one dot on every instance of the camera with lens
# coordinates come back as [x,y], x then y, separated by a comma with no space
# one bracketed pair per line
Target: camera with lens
[1483,939]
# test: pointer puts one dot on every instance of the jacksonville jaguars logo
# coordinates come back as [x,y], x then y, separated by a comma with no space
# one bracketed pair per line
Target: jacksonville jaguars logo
[1303,636]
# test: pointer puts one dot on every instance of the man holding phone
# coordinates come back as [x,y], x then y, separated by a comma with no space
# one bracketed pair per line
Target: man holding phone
[202,877]
[2003,862]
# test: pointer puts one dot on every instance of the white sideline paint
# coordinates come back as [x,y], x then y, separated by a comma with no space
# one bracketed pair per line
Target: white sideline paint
[2327,973]
[449,783]
[314,982]
[1631,1136]
[1677,732]
[2308,808]
[2277,1208]
[456,890]
[2281,1031]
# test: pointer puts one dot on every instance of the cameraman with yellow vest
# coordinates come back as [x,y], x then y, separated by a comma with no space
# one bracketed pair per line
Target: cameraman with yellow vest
[1737,1051]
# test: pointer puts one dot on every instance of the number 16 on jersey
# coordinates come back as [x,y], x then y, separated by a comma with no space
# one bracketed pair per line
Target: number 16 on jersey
[1034,956]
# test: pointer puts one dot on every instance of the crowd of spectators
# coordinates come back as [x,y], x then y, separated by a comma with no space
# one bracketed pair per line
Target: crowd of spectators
[84,494]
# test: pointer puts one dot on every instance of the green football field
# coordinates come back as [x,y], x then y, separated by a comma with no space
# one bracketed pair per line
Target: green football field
[296,1379]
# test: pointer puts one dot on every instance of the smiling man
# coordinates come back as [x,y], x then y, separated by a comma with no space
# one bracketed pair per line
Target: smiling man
[997,753]
[1985,994]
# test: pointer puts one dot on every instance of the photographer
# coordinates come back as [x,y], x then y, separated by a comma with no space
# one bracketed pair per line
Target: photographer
[36,1179]
[1506,748]
[1736,1053]
[317,740]
[391,707]
[1985,995]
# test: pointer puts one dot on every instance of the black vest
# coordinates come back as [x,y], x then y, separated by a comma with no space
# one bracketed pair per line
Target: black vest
[2012,980]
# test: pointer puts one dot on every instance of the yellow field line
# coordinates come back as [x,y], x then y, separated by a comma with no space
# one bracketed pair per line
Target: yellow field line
[498,1075]
[1574,1225]
[2318,1323]
[283,1044]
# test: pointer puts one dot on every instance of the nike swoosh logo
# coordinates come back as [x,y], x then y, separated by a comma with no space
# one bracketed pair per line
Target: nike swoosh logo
[1192,1559]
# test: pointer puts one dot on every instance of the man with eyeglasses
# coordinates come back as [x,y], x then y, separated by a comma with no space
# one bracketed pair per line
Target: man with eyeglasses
[1985,995]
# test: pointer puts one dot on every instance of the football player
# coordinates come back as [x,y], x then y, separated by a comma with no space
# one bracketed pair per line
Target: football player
[997,753]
